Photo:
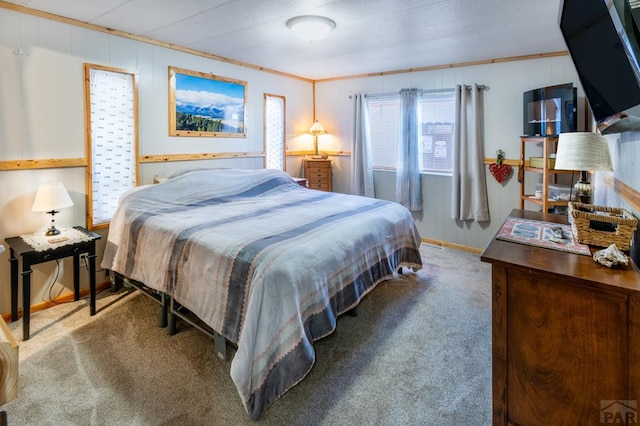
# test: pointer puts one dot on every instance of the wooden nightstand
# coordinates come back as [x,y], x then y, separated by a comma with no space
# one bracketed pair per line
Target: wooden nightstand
[301,181]
[318,174]
[81,241]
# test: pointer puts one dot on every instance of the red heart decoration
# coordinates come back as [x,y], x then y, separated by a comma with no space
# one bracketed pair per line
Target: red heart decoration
[500,172]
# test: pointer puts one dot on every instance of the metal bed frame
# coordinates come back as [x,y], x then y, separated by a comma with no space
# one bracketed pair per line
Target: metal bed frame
[170,311]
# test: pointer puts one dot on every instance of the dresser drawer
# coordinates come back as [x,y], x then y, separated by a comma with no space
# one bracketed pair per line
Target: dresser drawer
[321,186]
[318,175]
[319,163]
[317,179]
[316,169]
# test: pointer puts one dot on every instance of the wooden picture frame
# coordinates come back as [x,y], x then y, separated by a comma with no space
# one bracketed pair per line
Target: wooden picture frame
[206,105]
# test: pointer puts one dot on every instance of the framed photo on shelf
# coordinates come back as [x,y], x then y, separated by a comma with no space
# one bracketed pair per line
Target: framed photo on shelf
[206,105]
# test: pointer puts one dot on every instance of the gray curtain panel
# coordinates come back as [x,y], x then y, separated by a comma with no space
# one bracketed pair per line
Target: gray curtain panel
[469,185]
[408,179]
[361,164]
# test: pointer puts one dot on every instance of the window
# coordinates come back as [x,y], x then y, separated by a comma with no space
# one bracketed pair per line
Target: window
[274,132]
[437,111]
[438,116]
[384,117]
[112,139]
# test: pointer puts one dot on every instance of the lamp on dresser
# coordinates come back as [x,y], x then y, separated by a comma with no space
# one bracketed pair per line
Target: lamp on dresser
[584,152]
[316,130]
[50,198]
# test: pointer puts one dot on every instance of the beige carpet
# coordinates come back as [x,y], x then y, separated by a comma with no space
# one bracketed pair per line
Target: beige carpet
[418,353]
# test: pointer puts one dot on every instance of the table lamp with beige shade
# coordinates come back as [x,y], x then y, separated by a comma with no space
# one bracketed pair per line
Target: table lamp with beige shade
[584,152]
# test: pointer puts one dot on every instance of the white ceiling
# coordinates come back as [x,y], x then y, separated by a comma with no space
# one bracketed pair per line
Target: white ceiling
[370,36]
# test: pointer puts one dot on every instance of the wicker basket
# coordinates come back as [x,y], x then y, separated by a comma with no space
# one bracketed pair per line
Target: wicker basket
[583,228]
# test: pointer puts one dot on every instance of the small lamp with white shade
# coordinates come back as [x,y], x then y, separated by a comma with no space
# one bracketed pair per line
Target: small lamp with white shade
[583,151]
[50,198]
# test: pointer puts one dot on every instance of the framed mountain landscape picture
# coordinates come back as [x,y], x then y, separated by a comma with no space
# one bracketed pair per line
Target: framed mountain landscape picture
[208,105]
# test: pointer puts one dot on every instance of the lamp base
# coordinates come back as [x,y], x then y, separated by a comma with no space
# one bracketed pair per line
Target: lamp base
[52,231]
[584,188]
[585,198]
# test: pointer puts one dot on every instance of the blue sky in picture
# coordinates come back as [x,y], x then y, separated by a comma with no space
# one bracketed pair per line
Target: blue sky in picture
[186,82]
[210,98]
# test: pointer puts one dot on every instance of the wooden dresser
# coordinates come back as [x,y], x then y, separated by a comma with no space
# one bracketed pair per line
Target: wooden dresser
[566,335]
[318,174]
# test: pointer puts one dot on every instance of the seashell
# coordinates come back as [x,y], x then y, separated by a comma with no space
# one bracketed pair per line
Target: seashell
[611,256]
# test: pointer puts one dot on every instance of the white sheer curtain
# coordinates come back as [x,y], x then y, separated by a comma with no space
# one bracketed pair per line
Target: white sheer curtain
[469,185]
[361,164]
[408,180]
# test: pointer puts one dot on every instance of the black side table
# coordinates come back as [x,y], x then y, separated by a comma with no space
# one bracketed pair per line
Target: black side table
[30,256]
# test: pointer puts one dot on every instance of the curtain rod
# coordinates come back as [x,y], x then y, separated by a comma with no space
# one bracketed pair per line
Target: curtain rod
[480,86]
[449,89]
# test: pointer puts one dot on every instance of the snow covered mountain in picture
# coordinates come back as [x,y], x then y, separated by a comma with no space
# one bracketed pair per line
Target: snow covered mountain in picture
[201,97]
[211,111]
[210,105]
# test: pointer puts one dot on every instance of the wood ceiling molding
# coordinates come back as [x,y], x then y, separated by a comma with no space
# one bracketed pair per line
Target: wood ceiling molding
[445,66]
[148,40]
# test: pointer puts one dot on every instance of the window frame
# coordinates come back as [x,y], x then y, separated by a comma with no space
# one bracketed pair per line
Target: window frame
[126,166]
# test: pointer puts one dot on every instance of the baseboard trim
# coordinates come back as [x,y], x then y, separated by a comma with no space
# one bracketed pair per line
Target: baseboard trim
[447,244]
[67,297]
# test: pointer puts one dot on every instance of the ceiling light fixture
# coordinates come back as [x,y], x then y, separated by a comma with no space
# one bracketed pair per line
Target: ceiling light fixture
[310,27]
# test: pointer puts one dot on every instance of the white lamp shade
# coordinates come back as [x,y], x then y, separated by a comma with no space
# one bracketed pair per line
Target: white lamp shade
[311,28]
[583,151]
[51,196]
[317,129]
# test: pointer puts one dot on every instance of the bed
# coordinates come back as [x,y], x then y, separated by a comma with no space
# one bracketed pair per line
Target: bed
[261,260]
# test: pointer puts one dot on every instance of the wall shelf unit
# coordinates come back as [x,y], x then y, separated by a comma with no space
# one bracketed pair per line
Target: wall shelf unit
[549,175]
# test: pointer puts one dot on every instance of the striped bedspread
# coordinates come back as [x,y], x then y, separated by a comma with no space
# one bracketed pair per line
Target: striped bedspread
[263,261]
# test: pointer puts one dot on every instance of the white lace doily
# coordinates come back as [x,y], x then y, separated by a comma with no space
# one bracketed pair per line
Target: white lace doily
[41,242]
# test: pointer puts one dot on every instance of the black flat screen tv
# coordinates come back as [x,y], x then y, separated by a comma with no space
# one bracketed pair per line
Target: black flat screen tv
[549,110]
[602,38]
